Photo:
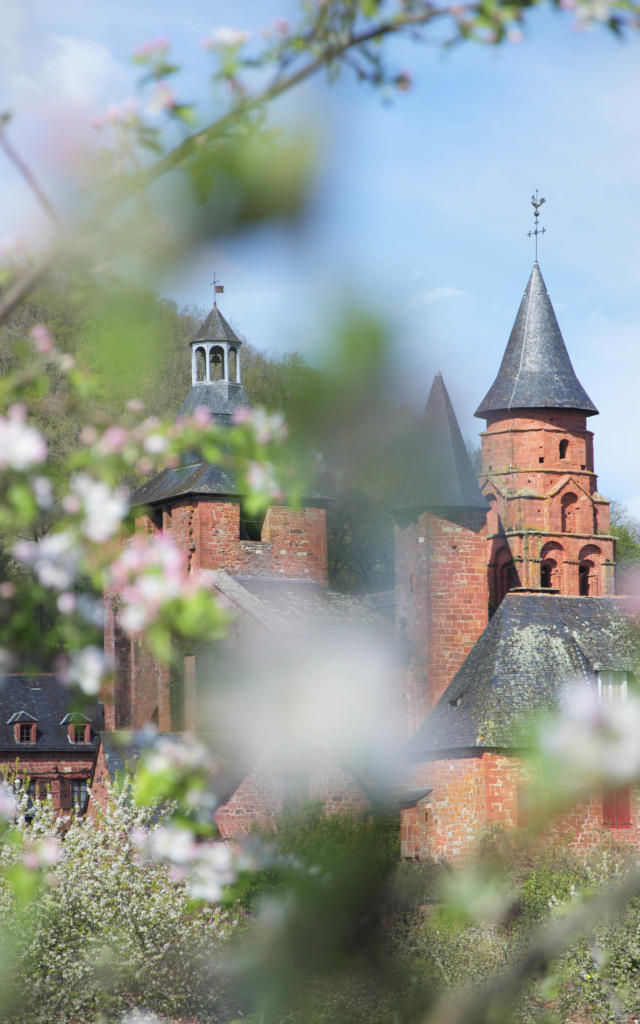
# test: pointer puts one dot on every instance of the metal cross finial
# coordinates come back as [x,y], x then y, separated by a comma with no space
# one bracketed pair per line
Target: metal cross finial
[218,288]
[537,230]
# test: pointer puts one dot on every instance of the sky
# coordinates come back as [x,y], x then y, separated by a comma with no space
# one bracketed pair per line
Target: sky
[419,207]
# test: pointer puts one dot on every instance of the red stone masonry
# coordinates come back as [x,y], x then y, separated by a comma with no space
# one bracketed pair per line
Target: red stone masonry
[293,545]
[262,794]
[52,772]
[441,602]
[489,787]
[548,525]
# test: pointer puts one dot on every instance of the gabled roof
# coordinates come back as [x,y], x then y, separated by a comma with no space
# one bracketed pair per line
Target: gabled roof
[536,372]
[44,700]
[439,470]
[532,649]
[216,328]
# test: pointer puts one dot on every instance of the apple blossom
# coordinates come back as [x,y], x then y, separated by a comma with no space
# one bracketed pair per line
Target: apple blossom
[21,445]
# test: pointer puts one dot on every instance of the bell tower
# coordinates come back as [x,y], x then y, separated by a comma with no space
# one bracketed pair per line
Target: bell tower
[548,527]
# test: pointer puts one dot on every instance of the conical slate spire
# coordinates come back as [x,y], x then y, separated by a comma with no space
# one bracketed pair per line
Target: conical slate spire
[440,474]
[216,328]
[536,372]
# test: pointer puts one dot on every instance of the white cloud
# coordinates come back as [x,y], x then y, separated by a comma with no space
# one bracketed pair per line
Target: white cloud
[425,296]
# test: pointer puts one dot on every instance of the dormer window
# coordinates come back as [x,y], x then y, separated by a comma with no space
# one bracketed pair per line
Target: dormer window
[24,727]
[78,727]
[612,686]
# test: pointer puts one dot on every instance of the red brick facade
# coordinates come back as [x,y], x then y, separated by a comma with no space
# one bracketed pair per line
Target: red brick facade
[472,792]
[266,789]
[293,545]
[56,773]
[548,526]
[441,601]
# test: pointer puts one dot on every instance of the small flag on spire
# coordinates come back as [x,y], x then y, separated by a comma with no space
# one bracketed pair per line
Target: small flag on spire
[217,287]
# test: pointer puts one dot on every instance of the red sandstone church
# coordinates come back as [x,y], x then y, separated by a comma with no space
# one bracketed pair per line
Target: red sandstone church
[504,588]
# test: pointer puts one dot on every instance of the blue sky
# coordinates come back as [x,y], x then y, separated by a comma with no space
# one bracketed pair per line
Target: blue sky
[419,208]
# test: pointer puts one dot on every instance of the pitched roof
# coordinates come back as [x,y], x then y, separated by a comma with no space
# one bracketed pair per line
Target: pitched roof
[216,328]
[195,478]
[536,372]
[439,470]
[221,397]
[532,649]
[44,699]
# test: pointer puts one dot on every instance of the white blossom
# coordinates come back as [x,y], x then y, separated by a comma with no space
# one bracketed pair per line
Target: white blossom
[594,741]
[88,668]
[55,559]
[8,802]
[103,508]
[21,445]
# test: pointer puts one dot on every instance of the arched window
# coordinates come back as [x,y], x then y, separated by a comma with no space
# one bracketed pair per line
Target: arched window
[216,363]
[569,512]
[505,575]
[233,364]
[564,444]
[589,571]
[201,365]
[584,571]
[551,558]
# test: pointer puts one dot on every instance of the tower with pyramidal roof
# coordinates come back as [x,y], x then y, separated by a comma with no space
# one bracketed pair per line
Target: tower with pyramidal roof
[548,527]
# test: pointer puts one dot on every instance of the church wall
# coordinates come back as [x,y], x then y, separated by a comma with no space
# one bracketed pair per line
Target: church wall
[263,792]
[470,793]
[441,602]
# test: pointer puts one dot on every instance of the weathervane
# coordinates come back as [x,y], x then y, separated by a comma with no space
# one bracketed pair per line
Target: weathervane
[218,288]
[537,230]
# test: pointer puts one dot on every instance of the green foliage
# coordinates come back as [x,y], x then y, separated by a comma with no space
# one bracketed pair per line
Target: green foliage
[626,530]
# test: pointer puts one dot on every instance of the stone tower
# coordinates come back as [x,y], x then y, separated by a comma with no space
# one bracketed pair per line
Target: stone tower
[200,507]
[440,557]
[548,527]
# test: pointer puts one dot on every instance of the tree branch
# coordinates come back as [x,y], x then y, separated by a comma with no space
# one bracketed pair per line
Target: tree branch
[30,178]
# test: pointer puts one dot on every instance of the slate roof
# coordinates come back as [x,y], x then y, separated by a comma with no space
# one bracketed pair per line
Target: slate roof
[216,328]
[532,649]
[439,470]
[46,700]
[221,398]
[287,605]
[191,478]
[536,372]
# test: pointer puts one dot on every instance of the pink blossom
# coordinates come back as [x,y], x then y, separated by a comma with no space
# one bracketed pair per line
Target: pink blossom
[144,466]
[153,49]
[261,478]
[155,444]
[163,98]
[7,590]
[113,440]
[40,334]
[242,415]
[149,573]
[135,405]
[201,416]
[282,26]
[88,435]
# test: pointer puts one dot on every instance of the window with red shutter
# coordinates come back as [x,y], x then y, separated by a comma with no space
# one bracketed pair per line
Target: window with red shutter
[616,808]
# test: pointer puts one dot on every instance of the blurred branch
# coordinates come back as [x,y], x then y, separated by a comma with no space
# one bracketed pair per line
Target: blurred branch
[331,52]
[25,283]
[29,177]
[480,1005]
